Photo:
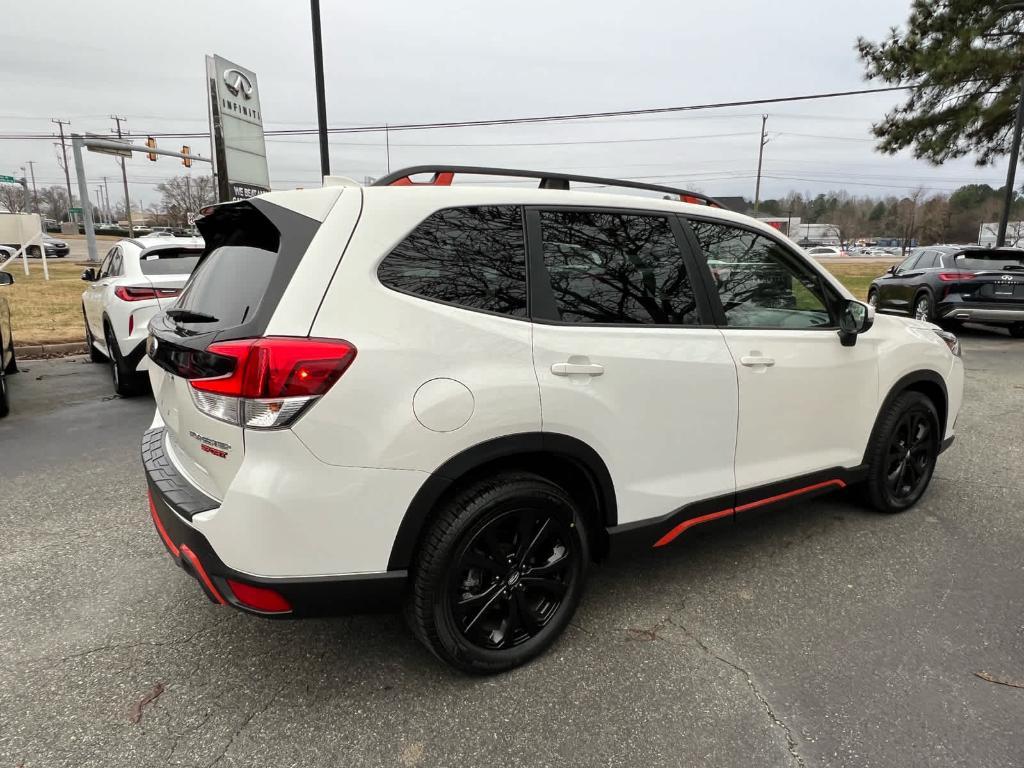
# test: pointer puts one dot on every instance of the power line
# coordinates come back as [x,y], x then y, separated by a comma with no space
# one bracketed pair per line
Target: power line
[532,120]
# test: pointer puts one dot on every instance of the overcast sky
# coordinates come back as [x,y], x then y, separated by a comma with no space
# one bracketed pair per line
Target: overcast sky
[442,60]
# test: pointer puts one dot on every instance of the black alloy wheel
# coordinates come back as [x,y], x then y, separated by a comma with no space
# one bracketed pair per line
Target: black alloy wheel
[509,578]
[903,451]
[499,572]
[911,455]
[923,308]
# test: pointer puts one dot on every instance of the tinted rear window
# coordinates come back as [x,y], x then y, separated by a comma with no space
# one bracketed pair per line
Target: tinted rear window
[968,261]
[169,262]
[470,257]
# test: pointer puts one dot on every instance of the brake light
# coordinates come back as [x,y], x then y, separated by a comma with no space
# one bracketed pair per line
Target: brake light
[273,380]
[132,293]
[952,277]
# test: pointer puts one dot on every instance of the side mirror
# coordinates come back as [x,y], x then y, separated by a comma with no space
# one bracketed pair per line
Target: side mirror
[891,270]
[854,318]
[6,278]
[89,275]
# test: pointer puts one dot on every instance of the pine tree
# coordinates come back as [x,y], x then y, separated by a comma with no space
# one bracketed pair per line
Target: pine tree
[966,56]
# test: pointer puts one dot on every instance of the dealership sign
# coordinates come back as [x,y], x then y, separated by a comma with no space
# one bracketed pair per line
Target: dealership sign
[236,124]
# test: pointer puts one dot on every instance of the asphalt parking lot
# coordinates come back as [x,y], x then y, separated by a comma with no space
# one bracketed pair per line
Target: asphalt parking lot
[819,635]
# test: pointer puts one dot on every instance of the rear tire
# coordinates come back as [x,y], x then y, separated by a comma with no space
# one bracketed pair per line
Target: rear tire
[1017,330]
[902,453]
[5,403]
[923,309]
[499,574]
[873,298]
[126,382]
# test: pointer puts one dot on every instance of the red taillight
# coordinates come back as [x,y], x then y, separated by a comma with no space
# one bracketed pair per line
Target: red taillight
[952,277]
[259,598]
[273,380]
[132,293]
[279,367]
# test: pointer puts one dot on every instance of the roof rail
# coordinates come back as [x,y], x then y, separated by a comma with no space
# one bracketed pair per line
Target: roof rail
[443,175]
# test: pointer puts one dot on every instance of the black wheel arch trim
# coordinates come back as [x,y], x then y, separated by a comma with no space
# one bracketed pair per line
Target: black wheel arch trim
[908,382]
[446,476]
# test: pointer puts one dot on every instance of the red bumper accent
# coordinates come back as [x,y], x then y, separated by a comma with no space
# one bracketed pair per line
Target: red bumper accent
[160,527]
[200,572]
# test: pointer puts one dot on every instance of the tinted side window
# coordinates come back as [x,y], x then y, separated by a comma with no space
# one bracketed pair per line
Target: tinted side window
[616,268]
[105,266]
[927,261]
[760,283]
[470,257]
[908,263]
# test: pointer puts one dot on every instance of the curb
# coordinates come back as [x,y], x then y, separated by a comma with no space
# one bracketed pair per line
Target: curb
[36,351]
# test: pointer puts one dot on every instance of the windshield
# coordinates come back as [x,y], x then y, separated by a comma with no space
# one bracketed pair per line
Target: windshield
[169,262]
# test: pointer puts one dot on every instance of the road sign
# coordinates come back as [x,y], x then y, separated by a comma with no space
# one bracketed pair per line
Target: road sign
[8,179]
[108,149]
[75,210]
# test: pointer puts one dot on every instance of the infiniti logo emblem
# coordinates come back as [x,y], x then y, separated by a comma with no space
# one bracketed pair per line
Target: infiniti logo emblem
[238,83]
[1007,277]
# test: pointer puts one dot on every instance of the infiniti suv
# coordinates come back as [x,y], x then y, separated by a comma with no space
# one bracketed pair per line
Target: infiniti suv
[460,397]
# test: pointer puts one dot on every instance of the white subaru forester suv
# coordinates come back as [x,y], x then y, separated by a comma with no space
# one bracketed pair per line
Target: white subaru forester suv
[461,396]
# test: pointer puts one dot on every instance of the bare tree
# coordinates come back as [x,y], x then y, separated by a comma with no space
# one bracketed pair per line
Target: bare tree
[13,198]
[182,195]
[53,202]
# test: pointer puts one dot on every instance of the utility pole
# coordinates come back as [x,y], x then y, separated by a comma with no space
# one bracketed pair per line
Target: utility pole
[32,170]
[760,158]
[1011,170]
[387,145]
[321,102]
[106,197]
[124,177]
[67,171]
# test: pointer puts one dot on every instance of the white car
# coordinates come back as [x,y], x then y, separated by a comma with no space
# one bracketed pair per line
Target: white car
[827,251]
[461,396]
[135,280]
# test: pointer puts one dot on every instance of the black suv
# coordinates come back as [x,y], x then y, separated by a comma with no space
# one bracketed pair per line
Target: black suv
[8,365]
[954,284]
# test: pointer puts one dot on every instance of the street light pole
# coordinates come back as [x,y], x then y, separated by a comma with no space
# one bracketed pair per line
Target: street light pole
[321,101]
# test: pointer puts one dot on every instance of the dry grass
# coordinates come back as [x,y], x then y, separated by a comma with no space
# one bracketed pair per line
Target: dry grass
[51,312]
[46,312]
[857,276]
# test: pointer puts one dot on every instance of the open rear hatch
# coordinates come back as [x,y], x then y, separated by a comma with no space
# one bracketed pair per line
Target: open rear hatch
[201,346]
[167,269]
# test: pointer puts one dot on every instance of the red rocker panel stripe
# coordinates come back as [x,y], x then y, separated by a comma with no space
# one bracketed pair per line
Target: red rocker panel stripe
[686,524]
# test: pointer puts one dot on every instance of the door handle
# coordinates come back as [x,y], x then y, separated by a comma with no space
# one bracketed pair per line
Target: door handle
[568,369]
[754,360]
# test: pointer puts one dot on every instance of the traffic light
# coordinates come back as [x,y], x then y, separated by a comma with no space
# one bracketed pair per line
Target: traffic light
[186,160]
[151,143]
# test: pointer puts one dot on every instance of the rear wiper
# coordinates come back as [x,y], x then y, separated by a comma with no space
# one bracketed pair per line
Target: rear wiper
[188,316]
[1014,266]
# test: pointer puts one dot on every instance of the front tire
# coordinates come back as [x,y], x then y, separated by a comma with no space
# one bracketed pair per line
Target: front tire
[873,298]
[12,367]
[95,355]
[500,573]
[902,454]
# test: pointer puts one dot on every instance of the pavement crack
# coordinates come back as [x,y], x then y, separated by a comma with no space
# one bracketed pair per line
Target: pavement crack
[245,722]
[791,743]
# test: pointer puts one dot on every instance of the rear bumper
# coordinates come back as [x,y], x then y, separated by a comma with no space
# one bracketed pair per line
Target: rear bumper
[173,501]
[980,313]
